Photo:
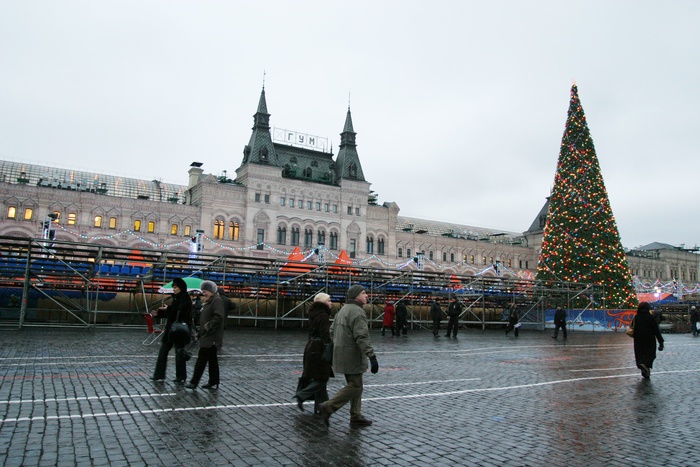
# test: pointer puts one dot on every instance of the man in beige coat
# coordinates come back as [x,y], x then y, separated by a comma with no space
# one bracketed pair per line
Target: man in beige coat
[351,349]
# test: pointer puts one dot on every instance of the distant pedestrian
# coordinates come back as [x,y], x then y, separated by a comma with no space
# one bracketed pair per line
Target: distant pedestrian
[453,312]
[559,322]
[351,349]
[513,318]
[388,321]
[646,334]
[694,318]
[316,371]
[436,315]
[211,337]
[401,318]
[179,310]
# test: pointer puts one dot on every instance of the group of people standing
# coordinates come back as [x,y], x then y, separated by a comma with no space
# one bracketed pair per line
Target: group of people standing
[400,312]
[179,331]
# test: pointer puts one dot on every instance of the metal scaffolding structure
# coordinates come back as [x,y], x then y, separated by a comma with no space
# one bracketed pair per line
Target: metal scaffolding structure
[57,283]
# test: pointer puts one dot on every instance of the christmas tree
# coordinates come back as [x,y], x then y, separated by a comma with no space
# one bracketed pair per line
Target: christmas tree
[581,242]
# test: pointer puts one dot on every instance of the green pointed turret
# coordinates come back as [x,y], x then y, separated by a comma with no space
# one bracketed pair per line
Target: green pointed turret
[260,149]
[348,162]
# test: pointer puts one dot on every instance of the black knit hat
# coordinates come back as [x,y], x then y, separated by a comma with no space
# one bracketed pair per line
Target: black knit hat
[180,284]
[354,291]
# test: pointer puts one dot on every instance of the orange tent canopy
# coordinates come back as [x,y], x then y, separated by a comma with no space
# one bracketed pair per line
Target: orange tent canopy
[297,266]
[345,264]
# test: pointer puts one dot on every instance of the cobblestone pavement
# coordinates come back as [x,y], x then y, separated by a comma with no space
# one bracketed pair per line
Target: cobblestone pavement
[79,397]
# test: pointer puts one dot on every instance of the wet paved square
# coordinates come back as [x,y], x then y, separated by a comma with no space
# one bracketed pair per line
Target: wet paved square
[77,397]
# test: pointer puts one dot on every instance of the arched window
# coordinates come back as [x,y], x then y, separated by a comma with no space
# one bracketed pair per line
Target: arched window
[370,245]
[219,229]
[173,229]
[295,236]
[151,226]
[98,221]
[137,225]
[321,237]
[334,241]
[281,235]
[234,230]
[380,246]
[112,222]
[308,238]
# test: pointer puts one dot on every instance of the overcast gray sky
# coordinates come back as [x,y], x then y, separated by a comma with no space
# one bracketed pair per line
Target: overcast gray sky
[459,106]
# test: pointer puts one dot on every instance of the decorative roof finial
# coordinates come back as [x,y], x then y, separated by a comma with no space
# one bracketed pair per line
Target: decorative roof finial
[348,100]
[263,80]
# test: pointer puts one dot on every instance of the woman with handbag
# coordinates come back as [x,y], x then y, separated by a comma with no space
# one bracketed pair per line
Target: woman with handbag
[646,334]
[211,337]
[179,311]
[312,384]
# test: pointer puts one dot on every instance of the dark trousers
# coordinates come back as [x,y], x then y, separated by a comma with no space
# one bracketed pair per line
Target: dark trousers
[510,327]
[162,362]
[315,390]
[436,326]
[401,328]
[556,329]
[452,326]
[206,355]
[694,327]
[390,327]
[351,392]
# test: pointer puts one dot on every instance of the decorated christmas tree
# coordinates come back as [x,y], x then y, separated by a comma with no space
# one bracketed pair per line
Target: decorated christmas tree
[581,242]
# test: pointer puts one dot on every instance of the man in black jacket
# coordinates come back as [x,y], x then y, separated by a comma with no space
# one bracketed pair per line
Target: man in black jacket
[559,322]
[453,312]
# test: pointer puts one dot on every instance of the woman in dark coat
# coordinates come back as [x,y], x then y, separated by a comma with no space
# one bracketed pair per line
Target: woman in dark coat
[316,371]
[646,333]
[181,310]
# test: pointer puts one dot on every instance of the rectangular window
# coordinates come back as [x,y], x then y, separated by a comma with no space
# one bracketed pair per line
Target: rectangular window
[370,245]
[28,213]
[261,239]
[137,225]
[291,202]
[350,210]
[353,248]
[334,241]
[72,218]
[452,257]
[98,221]
[526,265]
[509,263]
[308,238]
[335,208]
[326,207]
[357,211]
[380,246]
[295,236]
[188,230]
[471,259]
[267,199]
[430,255]
[281,236]
[408,252]
[151,226]
[318,206]
[308,205]
[12,212]
[400,253]
[257,197]
[301,204]
[444,256]
[173,229]
[282,200]
[112,222]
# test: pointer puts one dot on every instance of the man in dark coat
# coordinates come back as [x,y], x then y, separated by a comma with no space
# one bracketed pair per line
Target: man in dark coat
[436,315]
[453,312]
[694,316]
[401,318]
[559,322]
[646,333]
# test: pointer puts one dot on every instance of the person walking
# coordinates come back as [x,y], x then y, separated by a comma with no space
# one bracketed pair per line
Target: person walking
[646,334]
[351,350]
[453,312]
[436,315]
[179,310]
[316,370]
[388,321]
[401,318]
[211,337]
[513,318]
[694,317]
[559,322]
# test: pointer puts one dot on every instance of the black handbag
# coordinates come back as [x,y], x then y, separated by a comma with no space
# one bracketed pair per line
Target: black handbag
[179,333]
[327,355]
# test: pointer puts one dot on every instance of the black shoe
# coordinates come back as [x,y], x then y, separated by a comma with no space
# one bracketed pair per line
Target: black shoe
[179,381]
[300,403]
[191,386]
[158,380]
[645,371]
[447,335]
[554,337]
[360,421]
[211,386]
